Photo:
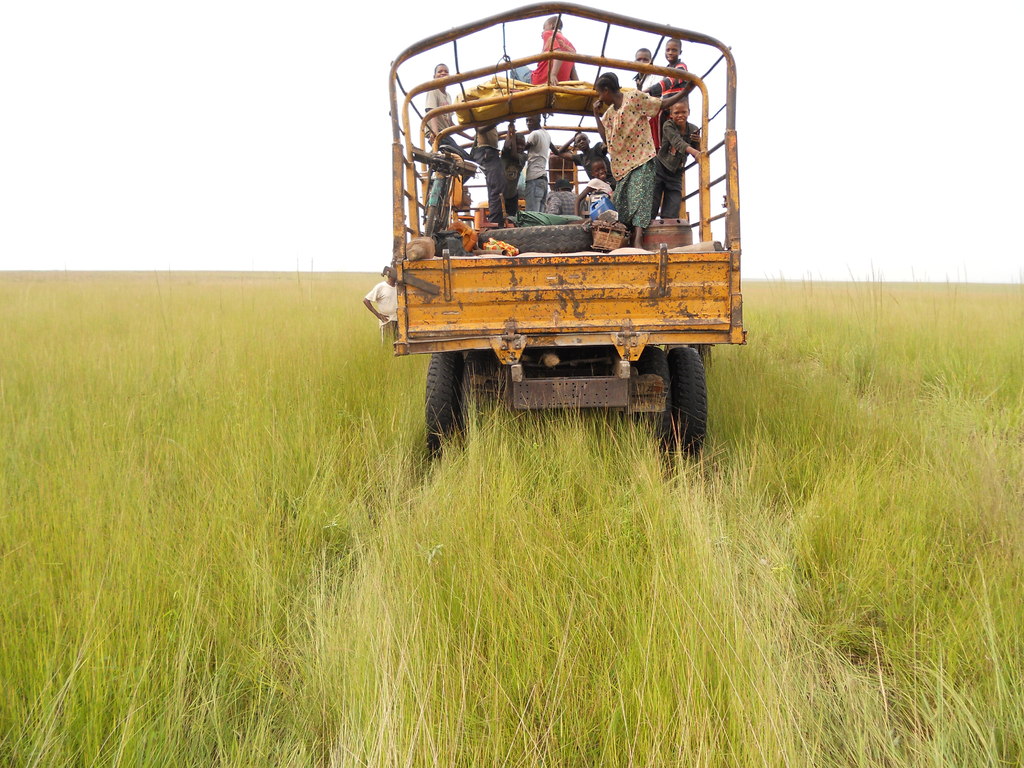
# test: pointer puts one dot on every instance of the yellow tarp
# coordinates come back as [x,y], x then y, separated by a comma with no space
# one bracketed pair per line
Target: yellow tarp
[522,99]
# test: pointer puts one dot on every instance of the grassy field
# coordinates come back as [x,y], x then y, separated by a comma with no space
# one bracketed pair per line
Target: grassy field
[221,543]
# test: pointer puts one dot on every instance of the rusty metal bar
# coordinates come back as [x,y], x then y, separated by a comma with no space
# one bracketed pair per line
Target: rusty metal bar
[447,274]
[704,188]
[410,183]
[571,128]
[662,270]
[398,217]
[732,199]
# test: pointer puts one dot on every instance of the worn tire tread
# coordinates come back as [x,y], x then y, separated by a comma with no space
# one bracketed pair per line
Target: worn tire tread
[689,398]
[444,416]
[557,238]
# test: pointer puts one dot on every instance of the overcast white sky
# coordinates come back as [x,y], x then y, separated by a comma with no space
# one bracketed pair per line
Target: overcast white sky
[877,139]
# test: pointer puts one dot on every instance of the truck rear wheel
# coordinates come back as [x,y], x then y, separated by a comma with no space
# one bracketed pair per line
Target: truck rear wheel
[444,414]
[557,238]
[689,398]
[654,360]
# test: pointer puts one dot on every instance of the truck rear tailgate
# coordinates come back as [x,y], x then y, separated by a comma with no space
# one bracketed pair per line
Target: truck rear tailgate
[678,293]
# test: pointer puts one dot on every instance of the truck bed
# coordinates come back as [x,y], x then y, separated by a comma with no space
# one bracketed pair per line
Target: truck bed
[688,295]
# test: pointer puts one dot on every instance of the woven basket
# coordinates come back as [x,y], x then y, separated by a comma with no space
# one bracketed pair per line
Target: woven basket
[608,237]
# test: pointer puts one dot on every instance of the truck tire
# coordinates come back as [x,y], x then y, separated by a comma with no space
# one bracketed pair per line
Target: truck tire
[654,360]
[689,398]
[444,415]
[558,238]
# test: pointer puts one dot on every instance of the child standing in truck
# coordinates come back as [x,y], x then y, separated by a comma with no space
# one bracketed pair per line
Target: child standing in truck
[626,129]
[679,139]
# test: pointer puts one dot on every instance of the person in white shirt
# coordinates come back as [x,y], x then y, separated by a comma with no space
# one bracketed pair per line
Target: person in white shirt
[385,296]
[643,56]
[439,97]
[538,147]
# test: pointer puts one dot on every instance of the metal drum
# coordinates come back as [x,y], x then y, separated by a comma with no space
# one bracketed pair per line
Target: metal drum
[674,232]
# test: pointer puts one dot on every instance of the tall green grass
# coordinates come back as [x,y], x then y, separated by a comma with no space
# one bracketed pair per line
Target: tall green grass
[221,542]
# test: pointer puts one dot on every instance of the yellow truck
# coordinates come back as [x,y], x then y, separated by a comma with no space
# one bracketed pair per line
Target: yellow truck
[562,324]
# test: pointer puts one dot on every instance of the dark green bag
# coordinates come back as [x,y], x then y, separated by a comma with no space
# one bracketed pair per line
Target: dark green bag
[451,240]
[538,219]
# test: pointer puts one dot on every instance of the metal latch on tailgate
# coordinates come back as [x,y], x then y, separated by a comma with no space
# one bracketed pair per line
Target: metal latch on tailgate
[509,346]
[628,343]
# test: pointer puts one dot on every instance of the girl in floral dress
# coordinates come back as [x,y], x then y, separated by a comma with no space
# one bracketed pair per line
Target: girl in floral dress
[626,130]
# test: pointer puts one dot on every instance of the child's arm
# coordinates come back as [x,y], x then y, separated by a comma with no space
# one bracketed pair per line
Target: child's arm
[668,101]
[674,137]
[565,147]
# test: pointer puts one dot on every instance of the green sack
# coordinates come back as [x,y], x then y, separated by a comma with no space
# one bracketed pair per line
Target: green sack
[538,219]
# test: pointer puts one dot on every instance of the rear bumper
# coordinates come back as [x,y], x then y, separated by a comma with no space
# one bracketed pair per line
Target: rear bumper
[636,394]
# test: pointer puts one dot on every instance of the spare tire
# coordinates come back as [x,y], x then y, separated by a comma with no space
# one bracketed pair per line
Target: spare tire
[560,238]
